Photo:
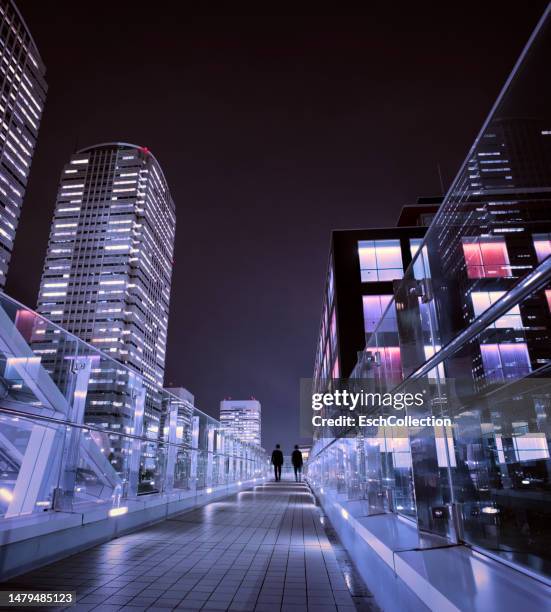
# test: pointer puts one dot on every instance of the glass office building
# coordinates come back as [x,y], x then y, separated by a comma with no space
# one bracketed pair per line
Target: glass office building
[362,265]
[242,419]
[470,319]
[107,278]
[22,97]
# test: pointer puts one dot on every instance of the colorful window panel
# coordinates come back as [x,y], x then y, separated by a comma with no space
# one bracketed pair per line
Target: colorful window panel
[505,361]
[374,307]
[380,260]
[486,257]
[482,300]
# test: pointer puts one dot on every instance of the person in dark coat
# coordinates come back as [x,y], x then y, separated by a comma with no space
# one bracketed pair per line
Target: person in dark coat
[277,462]
[296,459]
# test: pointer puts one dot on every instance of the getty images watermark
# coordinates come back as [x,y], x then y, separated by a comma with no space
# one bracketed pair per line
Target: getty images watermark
[346,406]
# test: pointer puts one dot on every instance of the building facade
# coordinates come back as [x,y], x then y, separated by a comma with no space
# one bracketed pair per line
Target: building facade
[22,97]
[469,322]
[362,267]
[107,277]
[242,419]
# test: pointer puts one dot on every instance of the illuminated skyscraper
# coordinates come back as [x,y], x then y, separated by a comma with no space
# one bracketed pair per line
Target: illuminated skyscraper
[22,97]
[108,267]
[242,419]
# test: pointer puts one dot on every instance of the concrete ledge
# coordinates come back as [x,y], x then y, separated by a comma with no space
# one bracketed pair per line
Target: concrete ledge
[407,572]
[28,543]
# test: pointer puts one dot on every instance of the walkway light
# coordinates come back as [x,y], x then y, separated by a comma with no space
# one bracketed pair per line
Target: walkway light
[6,494]
[118,511]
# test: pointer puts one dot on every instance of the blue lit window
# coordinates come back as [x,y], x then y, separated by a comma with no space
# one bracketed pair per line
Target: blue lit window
[505,361]
[380,260]
[374,306]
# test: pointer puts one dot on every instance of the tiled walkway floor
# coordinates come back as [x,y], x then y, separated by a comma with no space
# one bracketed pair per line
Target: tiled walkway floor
[263,549]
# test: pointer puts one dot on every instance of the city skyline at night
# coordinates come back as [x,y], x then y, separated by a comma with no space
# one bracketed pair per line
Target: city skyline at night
[345,219]
[339,141]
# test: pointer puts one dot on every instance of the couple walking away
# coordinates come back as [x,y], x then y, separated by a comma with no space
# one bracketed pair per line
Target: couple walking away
[296,460]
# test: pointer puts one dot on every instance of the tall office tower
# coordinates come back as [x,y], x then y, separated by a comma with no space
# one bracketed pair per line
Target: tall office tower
[242,419]
[22,97]
[107,272]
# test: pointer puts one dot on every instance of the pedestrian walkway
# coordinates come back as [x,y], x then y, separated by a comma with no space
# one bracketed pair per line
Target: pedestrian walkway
[263,549]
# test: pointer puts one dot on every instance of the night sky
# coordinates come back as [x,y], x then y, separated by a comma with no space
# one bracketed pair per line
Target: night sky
[271,131]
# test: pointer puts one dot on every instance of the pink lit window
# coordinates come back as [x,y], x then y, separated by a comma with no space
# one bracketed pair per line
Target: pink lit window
[542,245]
[374,306]
[486,257]
[336,371]
[548,296]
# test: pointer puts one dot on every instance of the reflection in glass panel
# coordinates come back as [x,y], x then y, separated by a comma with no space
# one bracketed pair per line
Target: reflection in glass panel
[482,300]
[391,363]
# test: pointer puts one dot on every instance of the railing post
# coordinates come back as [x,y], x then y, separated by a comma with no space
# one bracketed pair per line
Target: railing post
[172,448]
[210,452]
[137,395]
[78,390]
[194,452]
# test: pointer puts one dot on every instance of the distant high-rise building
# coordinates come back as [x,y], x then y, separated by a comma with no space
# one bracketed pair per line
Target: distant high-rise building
[22,97]
[242,419]
[108,270]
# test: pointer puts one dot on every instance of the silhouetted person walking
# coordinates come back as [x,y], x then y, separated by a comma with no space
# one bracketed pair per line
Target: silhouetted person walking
[296,459]
[277,462]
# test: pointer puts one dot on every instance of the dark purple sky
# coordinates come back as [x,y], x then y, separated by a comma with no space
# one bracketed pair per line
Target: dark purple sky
[271,131]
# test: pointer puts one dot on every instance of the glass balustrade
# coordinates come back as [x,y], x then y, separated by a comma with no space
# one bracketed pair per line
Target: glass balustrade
[80,430]
[471,320]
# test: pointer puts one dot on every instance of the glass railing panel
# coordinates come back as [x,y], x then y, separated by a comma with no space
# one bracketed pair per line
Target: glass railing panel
[31,461]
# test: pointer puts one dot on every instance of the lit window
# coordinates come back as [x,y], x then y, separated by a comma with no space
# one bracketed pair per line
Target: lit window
[482,300]
[531,446]
[374,306]
[420,265]
[486,257]
[505,361]
[380,260]
[542,245]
